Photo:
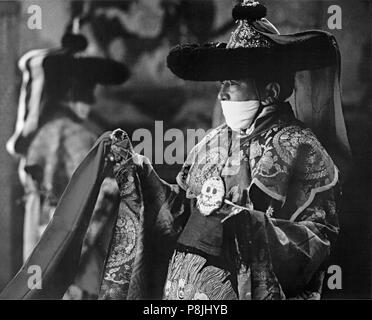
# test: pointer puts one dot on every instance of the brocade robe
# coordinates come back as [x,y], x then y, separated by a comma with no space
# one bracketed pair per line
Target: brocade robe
[269,237]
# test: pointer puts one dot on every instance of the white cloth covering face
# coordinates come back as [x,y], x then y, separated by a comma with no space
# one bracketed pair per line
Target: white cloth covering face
[239,115]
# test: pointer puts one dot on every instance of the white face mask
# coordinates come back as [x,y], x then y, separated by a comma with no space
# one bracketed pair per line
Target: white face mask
[239,115]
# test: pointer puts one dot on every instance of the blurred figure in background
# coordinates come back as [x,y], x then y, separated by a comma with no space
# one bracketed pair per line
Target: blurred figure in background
[54,133]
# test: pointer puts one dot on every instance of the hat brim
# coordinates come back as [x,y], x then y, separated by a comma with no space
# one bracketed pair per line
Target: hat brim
[91,69]
[290,53]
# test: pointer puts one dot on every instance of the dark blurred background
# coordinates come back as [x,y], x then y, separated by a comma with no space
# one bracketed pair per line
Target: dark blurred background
[140,33]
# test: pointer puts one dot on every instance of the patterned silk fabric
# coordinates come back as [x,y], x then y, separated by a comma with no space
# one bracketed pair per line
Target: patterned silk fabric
[147,225]
[285,161]
[189,278]
[119,266]
[281,218]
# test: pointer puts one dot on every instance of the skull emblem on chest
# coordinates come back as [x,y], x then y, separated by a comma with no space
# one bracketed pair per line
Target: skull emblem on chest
[211,196]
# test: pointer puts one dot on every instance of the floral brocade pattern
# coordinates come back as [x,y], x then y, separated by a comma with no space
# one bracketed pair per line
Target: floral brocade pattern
[120,262]
[189,278]
[290,165]
[119,265]
[205,160]
[292,148]
[287,162]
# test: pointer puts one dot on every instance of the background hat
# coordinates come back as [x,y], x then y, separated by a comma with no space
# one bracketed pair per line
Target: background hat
[255,47]
[74,42]
[51,77]
[75,77]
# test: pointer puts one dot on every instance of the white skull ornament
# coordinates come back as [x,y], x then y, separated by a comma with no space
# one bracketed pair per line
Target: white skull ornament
[211,196]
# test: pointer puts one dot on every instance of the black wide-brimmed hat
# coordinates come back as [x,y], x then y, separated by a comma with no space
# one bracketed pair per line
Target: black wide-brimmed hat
[68,63]
[255,48]
[68,73]
[52,78]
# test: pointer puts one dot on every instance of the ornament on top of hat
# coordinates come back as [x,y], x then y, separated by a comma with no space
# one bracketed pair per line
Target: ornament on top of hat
[245,35]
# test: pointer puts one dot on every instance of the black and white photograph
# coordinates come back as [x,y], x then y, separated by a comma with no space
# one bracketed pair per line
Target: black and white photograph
[186,150]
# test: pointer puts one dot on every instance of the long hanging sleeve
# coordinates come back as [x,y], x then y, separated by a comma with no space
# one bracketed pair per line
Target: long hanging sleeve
[56,256]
